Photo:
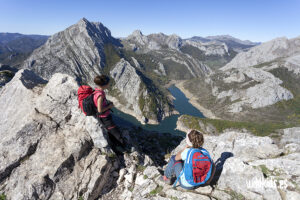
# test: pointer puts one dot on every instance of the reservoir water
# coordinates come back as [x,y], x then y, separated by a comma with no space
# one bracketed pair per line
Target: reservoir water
[168,125]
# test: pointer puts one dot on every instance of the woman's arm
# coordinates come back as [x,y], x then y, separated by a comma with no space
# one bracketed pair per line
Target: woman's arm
[99,105]
[178,155]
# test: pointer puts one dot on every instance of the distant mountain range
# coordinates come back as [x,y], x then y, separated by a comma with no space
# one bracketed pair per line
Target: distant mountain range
[231,42]
[15,47]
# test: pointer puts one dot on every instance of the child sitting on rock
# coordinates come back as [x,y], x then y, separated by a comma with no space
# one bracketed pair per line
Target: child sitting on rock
[104,107]
[194,140]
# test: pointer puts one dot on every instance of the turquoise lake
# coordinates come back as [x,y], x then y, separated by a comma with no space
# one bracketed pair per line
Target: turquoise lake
[168,125]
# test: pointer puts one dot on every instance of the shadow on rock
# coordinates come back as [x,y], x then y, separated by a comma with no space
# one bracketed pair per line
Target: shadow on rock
[143,148]
[219,166]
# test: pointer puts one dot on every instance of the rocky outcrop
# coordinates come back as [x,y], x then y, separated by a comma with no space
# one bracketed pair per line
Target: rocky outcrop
[49,149]
[139,94]
[154,41]
[247,167]
[77,51]
[209,48]
[251,167]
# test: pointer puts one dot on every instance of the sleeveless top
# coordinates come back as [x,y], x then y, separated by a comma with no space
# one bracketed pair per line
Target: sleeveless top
[97,94]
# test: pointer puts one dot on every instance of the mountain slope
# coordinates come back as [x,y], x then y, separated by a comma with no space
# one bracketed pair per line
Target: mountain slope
[179,59]
[77,51]
[258,85]
[15,47]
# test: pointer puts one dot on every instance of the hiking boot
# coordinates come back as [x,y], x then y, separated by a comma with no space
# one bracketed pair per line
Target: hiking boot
[165,180]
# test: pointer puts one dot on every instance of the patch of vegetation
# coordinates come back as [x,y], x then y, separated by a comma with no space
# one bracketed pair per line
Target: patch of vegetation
[291,108]
[145,177]
[131,189]
[7,73]
[148,63]
[176,71]
[80,198]
[154,102]
[264,64]
[258,129]
[173,198]
[2,196]
[157,190]
[213,61]
[167,156]
[112,156]
[112,57]
[235,196]
[140,168]
[265,170]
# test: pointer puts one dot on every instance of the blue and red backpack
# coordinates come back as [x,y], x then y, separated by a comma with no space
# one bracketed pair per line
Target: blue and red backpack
[198,167]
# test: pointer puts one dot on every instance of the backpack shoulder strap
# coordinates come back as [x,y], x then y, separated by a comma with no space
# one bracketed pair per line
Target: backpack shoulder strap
[182,171]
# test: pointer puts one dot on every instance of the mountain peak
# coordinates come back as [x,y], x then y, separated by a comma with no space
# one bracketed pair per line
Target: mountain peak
[84,20]
[137,33]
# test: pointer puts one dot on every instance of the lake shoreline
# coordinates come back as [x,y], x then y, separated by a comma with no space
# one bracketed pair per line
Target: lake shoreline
[193,100]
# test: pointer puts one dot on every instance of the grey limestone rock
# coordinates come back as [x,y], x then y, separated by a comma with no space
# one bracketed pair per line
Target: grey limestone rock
[46,151]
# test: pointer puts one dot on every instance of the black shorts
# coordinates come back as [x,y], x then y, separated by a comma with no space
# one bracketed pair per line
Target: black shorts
[107,122]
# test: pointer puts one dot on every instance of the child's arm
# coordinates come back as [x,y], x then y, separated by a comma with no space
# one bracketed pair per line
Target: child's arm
[178,155]
[99,105]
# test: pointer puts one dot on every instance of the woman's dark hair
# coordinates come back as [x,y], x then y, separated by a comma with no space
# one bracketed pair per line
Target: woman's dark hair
[196,138]
[101,80]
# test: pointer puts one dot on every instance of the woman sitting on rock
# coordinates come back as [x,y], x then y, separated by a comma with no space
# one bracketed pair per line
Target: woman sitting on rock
[104,107]
[201,169]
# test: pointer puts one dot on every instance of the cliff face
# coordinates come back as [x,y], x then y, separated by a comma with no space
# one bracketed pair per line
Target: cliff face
[136,92]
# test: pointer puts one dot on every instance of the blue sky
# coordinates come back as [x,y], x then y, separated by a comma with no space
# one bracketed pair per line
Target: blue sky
[256,20]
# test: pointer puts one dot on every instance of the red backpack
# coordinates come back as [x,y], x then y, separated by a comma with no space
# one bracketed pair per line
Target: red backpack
[85,100]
